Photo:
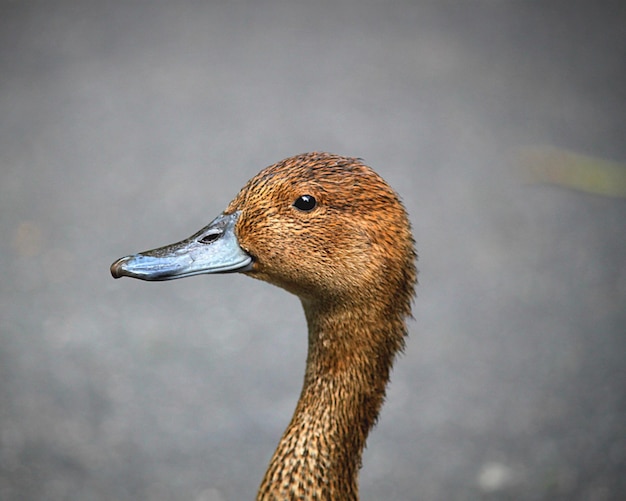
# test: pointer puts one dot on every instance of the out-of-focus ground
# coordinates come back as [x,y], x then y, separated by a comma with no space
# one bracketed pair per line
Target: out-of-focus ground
[128,125]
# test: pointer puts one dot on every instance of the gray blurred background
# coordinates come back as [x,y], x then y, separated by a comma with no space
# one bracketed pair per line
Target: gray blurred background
[128,125]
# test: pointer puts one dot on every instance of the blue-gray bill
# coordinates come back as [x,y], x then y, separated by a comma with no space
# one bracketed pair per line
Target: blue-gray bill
[214,249]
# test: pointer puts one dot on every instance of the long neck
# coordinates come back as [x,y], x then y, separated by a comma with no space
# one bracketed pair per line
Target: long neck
[348,363]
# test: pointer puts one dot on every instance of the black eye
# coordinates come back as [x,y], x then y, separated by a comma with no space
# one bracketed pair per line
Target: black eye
[305,203]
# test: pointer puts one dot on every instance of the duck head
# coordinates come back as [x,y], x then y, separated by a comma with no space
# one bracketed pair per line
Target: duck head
[322,226]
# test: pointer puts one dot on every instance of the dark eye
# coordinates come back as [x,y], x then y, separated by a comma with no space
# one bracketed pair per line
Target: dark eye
[305,203]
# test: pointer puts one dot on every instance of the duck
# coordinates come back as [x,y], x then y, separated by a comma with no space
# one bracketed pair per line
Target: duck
[330,230]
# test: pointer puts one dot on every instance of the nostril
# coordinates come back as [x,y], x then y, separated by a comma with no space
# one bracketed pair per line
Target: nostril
[211,237]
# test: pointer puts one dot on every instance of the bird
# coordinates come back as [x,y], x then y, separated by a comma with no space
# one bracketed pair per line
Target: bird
[330,230]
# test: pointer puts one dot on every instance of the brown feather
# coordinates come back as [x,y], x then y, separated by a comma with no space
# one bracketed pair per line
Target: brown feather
[351,260]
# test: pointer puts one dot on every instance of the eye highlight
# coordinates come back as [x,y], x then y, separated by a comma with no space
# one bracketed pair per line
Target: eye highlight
[305,203]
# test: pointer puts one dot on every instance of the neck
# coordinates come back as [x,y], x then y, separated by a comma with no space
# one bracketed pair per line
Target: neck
[350,355]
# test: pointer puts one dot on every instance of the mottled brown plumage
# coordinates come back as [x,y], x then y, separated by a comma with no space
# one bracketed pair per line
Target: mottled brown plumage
[351,260]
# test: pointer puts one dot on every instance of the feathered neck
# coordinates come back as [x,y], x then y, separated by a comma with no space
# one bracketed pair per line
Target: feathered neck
[351,351]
